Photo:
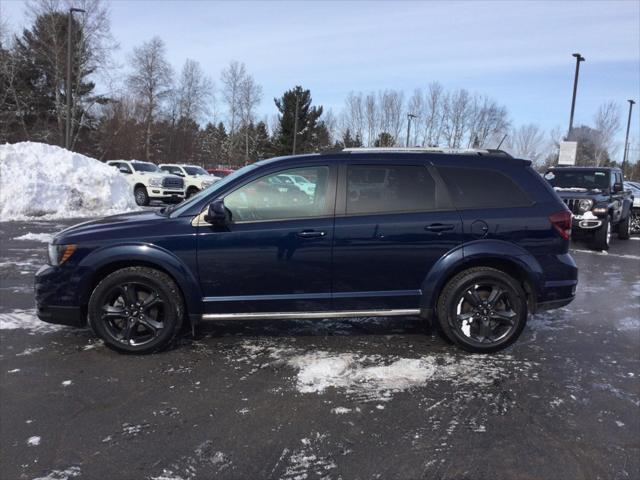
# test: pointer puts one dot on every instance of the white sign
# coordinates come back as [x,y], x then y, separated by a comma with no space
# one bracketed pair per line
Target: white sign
[568,153]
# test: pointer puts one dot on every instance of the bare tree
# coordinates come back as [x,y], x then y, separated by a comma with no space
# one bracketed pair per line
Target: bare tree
[607,125]
[391,112]
[150,82]
[372,113]
[456,118]
[434,115]
[231,79]
[250,96]
[417,107]
[487,121]
[353,115]
[195,91]
[528,142]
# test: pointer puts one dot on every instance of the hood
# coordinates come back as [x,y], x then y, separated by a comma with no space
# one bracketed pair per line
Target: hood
[112,226]
[581,193]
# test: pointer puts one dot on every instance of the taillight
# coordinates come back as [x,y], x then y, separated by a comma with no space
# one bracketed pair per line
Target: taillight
[561,221]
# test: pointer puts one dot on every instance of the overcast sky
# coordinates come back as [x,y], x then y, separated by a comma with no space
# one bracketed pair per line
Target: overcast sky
[518,52]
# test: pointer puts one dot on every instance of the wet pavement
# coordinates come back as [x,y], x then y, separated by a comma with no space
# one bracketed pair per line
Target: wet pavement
[340,399]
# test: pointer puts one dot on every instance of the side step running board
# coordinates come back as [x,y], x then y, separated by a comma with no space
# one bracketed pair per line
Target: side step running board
[306,315]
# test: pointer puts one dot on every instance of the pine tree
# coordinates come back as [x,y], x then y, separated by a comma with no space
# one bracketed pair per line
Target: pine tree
[308,138]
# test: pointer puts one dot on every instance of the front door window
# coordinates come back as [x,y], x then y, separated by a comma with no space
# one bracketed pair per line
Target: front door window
[291,194]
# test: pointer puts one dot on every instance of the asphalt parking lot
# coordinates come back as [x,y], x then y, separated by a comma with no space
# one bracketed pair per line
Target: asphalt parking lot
[339,399]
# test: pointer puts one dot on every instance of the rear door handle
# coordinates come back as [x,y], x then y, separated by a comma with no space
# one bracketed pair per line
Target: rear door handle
[311,234]
[439,227]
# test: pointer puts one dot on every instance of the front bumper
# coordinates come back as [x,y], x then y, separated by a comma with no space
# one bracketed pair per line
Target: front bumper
[55,295]
[166,195]
[585,222]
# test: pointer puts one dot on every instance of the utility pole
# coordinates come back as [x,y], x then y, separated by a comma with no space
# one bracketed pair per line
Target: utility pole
[409,117]
[579,58]
[295,124]
[626,137]
[67,140]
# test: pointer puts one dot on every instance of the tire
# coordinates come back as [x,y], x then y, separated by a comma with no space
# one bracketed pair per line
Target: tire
[624,228]
[141,196]
[191,192]
[482,310]
[602,237]
[137,328]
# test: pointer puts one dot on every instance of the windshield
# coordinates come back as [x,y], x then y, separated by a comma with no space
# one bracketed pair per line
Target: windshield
[195,171]
[145,167]
[180,208]
[588,180]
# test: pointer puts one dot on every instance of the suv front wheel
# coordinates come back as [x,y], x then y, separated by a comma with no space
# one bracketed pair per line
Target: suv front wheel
[136,310]
[482,310]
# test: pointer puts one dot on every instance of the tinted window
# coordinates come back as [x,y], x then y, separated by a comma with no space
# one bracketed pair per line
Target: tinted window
[269,198]
[479,188]
[145,167]
[382,188]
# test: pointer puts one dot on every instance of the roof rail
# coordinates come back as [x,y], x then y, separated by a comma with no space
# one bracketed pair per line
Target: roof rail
[464,151]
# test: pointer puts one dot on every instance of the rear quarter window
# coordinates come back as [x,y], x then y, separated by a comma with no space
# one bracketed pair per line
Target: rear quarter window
[482,188]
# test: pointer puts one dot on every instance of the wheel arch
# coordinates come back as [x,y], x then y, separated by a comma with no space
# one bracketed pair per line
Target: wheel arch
[108,260]
[503,256]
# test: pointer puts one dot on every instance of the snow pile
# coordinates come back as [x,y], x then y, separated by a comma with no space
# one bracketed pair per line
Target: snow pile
[26,320]
[379,377]
[36,237]
[40,180]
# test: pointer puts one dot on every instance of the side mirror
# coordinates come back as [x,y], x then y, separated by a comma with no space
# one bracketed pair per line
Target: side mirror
[124,170]
[216,213]
[617,187]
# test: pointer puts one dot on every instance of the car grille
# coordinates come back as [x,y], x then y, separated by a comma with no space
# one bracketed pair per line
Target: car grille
[572,203]
[172,182]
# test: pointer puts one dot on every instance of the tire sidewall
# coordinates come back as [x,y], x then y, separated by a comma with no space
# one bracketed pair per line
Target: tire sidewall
[173,313]
[457,287]
[142,201]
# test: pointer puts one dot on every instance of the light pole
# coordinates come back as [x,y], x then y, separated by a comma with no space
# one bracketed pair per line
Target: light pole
[626,137]
[295,124]
[409,117]
[67,140]
[579,58]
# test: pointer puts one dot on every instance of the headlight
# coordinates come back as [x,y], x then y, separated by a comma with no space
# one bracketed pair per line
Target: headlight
[155,181]
[585,205]
[58,254]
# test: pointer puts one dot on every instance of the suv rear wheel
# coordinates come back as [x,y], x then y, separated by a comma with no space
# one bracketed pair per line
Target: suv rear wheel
[136,310]
[482,310]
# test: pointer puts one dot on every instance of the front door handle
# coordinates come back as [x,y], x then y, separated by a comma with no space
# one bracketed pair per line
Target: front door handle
[311,234]
[439,227]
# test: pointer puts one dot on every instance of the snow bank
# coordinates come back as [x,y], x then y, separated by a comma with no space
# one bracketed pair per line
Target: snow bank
[36,237]
[40,180]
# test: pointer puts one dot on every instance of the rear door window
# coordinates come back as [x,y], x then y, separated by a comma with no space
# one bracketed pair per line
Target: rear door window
[375,189]
[482,188]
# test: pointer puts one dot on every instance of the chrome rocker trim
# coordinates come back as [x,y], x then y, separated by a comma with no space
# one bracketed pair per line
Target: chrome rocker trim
[307,315]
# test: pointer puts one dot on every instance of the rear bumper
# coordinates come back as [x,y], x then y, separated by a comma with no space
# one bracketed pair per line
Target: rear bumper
[553,304]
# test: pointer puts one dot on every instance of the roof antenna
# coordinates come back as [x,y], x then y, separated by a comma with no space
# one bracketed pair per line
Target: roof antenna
[503,139]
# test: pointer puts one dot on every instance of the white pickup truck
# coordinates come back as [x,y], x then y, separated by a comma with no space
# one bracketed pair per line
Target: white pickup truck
[149,182]
[195,178]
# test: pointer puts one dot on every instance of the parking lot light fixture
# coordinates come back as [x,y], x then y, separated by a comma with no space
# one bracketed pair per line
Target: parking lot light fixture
[579,58]
[626,137]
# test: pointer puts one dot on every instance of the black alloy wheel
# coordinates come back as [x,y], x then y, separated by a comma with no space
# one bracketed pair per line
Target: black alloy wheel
[136,310]
[482,310]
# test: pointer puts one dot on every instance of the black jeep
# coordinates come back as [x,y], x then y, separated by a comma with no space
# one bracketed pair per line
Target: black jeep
[597,200]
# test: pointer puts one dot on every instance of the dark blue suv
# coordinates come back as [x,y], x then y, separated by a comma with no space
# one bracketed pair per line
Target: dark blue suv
[476,240]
